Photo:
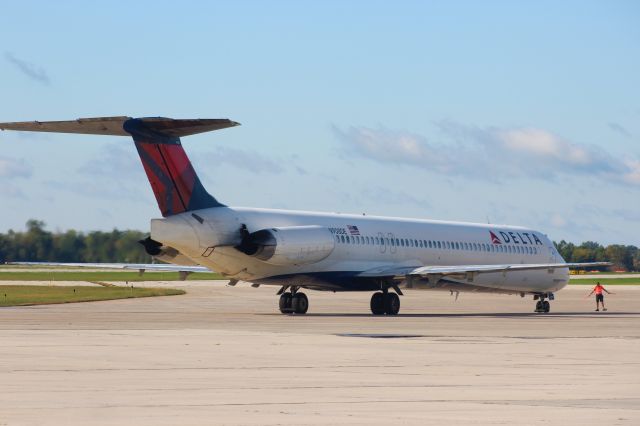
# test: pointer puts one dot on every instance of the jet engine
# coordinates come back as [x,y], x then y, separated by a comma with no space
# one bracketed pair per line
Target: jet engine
[290,245]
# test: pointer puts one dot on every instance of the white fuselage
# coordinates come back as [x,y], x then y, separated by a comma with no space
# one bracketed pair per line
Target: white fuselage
[363,243]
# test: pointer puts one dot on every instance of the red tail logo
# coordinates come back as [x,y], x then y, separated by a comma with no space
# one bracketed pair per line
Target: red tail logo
[494,238]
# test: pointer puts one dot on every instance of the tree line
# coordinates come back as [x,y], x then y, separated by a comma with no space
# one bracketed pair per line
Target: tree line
[36,244]
[623,257]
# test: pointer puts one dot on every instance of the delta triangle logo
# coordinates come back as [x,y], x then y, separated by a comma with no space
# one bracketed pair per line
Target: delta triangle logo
[494,238]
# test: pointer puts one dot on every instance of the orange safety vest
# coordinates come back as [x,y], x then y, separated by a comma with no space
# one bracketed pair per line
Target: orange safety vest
[598,289]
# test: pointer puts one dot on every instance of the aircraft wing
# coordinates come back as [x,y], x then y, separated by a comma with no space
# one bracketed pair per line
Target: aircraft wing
[141,267]
[424,271]
[479,269]
[387,271]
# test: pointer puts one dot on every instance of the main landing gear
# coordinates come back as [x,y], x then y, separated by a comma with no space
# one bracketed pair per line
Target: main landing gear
[293,302]
[542,305]
[383,302]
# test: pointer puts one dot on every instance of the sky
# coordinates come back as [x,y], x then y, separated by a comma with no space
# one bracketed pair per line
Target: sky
[524,113]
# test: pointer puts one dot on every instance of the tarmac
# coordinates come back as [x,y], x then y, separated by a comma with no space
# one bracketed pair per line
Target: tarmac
[223,355]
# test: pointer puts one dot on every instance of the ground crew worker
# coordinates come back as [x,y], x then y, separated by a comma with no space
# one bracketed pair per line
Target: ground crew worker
[598,289]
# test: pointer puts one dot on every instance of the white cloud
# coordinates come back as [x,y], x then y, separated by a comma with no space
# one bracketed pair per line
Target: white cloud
[490,153]
[632,175]
[13,168]
[34,72]
[118,161]
[11,191]
[618,128]
[558,221]
[240,159]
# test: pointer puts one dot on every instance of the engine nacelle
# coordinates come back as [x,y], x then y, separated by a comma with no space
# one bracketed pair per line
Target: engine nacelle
[290,245]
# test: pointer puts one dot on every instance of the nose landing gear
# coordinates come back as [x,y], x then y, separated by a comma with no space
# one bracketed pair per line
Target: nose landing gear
[542,305]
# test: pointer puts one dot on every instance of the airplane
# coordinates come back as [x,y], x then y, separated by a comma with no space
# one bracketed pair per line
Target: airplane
[298,250]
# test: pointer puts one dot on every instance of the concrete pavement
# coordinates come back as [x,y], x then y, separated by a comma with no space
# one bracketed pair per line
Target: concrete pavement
[222,355]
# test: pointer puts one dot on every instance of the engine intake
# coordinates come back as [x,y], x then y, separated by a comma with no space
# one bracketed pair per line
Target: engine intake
[290,245]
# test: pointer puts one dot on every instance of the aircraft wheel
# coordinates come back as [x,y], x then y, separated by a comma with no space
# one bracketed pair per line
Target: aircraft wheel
[377,303]
[539,306]
[392,304]
[285,303]
[546,306]
[300,303]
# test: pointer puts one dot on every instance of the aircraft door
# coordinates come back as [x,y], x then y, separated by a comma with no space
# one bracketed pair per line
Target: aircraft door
[383,244]
[392,243]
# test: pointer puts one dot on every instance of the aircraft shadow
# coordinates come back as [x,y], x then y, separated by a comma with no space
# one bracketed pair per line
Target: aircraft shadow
[468,315]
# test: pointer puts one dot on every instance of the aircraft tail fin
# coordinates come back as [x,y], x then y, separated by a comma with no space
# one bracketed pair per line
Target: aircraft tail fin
[173,179]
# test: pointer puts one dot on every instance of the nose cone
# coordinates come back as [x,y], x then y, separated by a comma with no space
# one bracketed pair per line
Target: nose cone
[175,231]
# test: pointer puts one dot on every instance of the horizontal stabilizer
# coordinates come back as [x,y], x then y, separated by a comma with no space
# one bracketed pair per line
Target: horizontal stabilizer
[175,183]
[115,126]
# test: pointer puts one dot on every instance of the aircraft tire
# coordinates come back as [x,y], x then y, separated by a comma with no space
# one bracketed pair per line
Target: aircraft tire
[377,303]
[546,306]
[285,303]
[391,304]
[539,307]
[300,303]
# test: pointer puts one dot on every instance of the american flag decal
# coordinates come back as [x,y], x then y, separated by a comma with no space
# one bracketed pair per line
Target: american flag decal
[353,230]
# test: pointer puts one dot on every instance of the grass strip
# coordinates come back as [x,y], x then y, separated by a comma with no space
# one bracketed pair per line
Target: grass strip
[89,276]
[23,295]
